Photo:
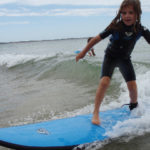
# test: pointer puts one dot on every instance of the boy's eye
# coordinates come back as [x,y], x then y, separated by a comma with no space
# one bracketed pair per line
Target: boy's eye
[123,13]
[130,12]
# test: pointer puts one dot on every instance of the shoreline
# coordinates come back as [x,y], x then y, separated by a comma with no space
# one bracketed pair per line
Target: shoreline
[42,40]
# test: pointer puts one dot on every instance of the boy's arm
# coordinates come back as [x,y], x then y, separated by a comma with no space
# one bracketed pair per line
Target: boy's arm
[146,34]
[92,42]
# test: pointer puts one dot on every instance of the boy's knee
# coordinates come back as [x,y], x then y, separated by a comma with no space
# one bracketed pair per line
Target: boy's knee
[105,82]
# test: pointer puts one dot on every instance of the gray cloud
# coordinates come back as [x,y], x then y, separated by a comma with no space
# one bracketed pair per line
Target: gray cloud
[68,2]
[58,12]
[62,2]
[22,10]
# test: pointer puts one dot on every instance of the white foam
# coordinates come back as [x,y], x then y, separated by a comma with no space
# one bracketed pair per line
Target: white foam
[143,81]
[131,127]
[10,60]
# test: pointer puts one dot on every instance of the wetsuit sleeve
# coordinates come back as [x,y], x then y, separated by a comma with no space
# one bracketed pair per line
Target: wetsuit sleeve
[146,34]
[105,33]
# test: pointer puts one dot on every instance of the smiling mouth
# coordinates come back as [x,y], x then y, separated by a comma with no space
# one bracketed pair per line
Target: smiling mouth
[128,20]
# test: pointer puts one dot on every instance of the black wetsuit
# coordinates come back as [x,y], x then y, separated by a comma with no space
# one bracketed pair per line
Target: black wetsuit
[119,49]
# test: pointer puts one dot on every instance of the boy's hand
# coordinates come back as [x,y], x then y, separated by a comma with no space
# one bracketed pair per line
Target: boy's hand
[80,56]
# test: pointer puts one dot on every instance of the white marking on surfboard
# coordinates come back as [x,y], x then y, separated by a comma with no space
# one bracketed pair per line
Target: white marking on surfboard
[43,131]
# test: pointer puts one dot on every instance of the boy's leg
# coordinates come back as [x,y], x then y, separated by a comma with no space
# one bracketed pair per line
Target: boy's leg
[128,73]
[132,87]
[108,66]
[93,53]
[102,87]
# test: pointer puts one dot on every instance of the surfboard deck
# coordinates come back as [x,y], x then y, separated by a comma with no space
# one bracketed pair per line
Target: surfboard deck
[62,133]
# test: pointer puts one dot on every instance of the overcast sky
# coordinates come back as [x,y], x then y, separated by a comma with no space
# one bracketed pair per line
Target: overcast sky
[24,20]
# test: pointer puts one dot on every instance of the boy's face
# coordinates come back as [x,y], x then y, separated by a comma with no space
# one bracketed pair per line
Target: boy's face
[128,15]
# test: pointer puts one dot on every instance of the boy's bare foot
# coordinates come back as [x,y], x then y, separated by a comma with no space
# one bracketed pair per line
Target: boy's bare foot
[95,119]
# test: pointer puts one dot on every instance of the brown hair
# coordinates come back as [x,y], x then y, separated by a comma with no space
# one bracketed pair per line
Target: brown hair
[137,8]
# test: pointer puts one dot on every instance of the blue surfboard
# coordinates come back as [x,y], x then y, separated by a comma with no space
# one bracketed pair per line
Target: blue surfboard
[62,133]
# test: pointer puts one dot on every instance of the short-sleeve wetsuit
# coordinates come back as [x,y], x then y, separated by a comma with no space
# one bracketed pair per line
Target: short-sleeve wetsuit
[119,49]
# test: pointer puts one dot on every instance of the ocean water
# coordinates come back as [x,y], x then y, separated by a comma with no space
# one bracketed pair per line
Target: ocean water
[40,80]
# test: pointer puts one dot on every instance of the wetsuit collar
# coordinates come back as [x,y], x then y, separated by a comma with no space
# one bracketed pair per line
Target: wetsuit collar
[131,26]
[128,28]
